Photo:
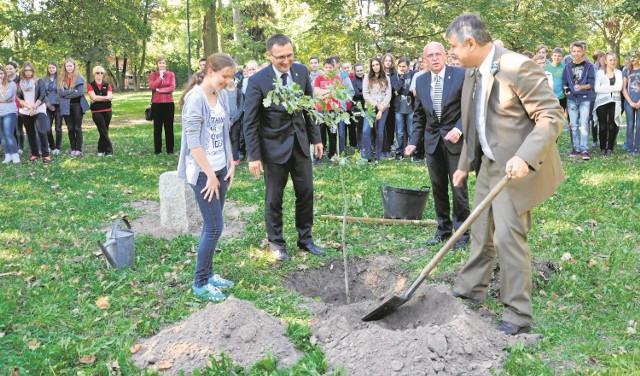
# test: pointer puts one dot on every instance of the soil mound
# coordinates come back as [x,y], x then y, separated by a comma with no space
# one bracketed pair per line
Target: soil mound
[432,334]
[234,326]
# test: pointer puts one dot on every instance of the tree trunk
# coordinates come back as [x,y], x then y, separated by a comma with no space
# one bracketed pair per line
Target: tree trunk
[88,76]
[209,30]
[123,76]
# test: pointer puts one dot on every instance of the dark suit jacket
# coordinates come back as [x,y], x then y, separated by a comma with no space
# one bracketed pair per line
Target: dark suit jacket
[523,118]
[425,121]
[269,132]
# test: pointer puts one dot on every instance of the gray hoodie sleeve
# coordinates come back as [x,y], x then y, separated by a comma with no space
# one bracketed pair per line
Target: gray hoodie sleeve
[192,119]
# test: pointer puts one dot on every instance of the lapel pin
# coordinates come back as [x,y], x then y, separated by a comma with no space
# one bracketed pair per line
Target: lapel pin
[495,68]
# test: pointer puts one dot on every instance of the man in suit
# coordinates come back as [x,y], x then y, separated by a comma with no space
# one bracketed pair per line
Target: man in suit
[510,121]
[278,144]
[437,120]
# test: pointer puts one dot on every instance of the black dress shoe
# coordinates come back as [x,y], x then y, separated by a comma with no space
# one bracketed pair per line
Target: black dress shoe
[313,249]
[512,329]
[437,239]
[460,296]
[460,244]
[280,254]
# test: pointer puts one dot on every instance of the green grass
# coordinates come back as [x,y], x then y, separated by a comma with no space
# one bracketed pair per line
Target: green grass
[50,277]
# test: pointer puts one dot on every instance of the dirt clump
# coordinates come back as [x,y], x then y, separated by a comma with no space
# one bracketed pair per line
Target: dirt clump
[432,334]
[234,326]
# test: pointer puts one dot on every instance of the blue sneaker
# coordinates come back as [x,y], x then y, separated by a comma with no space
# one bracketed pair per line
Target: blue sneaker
[220,282]
[209,292]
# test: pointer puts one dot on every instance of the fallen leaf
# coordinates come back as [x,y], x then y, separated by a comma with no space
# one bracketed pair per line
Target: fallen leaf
[592,263]
[87,359]
[115,367]
[134,349]
[579,229]
[543,293]
[592,223]
[331,267]
[302,266]
[28,250]
[1,334]
[103,302]
[33,344]
[631,331]
[566,256]
[165,364]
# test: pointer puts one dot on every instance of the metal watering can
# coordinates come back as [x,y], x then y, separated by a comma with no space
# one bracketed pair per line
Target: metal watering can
[120,245]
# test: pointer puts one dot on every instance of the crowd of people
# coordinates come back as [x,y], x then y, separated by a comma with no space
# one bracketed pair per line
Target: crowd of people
[40,104]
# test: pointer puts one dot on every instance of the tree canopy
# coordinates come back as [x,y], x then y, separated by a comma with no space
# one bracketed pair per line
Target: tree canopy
[130,34]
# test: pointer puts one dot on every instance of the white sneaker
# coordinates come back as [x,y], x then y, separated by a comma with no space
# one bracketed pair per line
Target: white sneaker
[20,151]
[55,152]
[16,158]
[100,154]
[7,158]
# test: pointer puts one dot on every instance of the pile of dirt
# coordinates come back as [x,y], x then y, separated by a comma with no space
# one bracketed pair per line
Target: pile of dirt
[149,222]
[432,334]
[234,326]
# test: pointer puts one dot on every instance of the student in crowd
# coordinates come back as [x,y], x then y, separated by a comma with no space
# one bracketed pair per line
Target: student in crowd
[556,68]
[236,109]
[206,162]
[314,68]
[8,115]
[162,83]
[50,84]
[631,92]
[201,64]
[12,75]
[578,80]
[608,104]
[389,67]
[249,70]
[322,88]
[101,93]
[403,104]
[346,68]
[376,90]
[344,105]
[541,60]
[73,104]
[542,49]
[357,82]
[33,113]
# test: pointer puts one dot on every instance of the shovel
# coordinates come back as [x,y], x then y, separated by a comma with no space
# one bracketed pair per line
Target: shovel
[396,301]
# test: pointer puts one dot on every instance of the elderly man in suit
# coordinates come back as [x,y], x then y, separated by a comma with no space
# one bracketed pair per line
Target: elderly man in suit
[511,120]
[278,144]
[437,121]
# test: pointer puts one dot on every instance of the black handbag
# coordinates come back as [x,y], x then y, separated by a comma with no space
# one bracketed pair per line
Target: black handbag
[148,113]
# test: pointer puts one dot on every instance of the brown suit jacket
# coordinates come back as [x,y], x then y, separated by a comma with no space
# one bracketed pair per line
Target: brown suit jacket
[523,118]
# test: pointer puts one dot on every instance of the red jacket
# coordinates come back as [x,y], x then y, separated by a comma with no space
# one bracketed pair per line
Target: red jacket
[162,88]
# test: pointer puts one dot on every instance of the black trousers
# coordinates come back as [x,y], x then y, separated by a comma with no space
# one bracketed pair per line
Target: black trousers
[163,114]
[39,123]
[275,177]
[608,129]
[74,126]
[327,134]
[102,120]
[234,135]
[442,164]
[55,117]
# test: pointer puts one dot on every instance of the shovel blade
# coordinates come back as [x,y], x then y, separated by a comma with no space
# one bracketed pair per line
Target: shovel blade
[386,308]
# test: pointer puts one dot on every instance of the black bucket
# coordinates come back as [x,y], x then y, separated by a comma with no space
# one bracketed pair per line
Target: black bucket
[404,203]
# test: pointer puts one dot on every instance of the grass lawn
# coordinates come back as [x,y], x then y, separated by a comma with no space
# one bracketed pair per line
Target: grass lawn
[50,277]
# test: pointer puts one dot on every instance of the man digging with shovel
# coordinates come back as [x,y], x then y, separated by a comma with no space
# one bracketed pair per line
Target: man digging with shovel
[511,120]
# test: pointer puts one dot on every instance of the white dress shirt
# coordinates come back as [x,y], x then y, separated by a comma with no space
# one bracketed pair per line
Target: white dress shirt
[481,125]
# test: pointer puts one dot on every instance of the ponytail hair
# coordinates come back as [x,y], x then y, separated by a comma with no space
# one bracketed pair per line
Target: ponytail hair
[196,79]
[216,63]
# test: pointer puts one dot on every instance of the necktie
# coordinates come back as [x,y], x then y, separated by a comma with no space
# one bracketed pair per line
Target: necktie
[284,79]
[437,97]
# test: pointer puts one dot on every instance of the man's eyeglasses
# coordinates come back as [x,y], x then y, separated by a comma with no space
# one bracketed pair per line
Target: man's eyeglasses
[282,57]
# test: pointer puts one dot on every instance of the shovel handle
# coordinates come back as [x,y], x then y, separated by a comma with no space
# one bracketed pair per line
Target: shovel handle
[458,234]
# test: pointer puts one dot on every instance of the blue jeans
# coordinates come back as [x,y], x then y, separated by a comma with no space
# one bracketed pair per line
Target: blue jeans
[366,136]
[342,137]
[213,224]
[579,123]
[7,127]
[404,125]
[633,127]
